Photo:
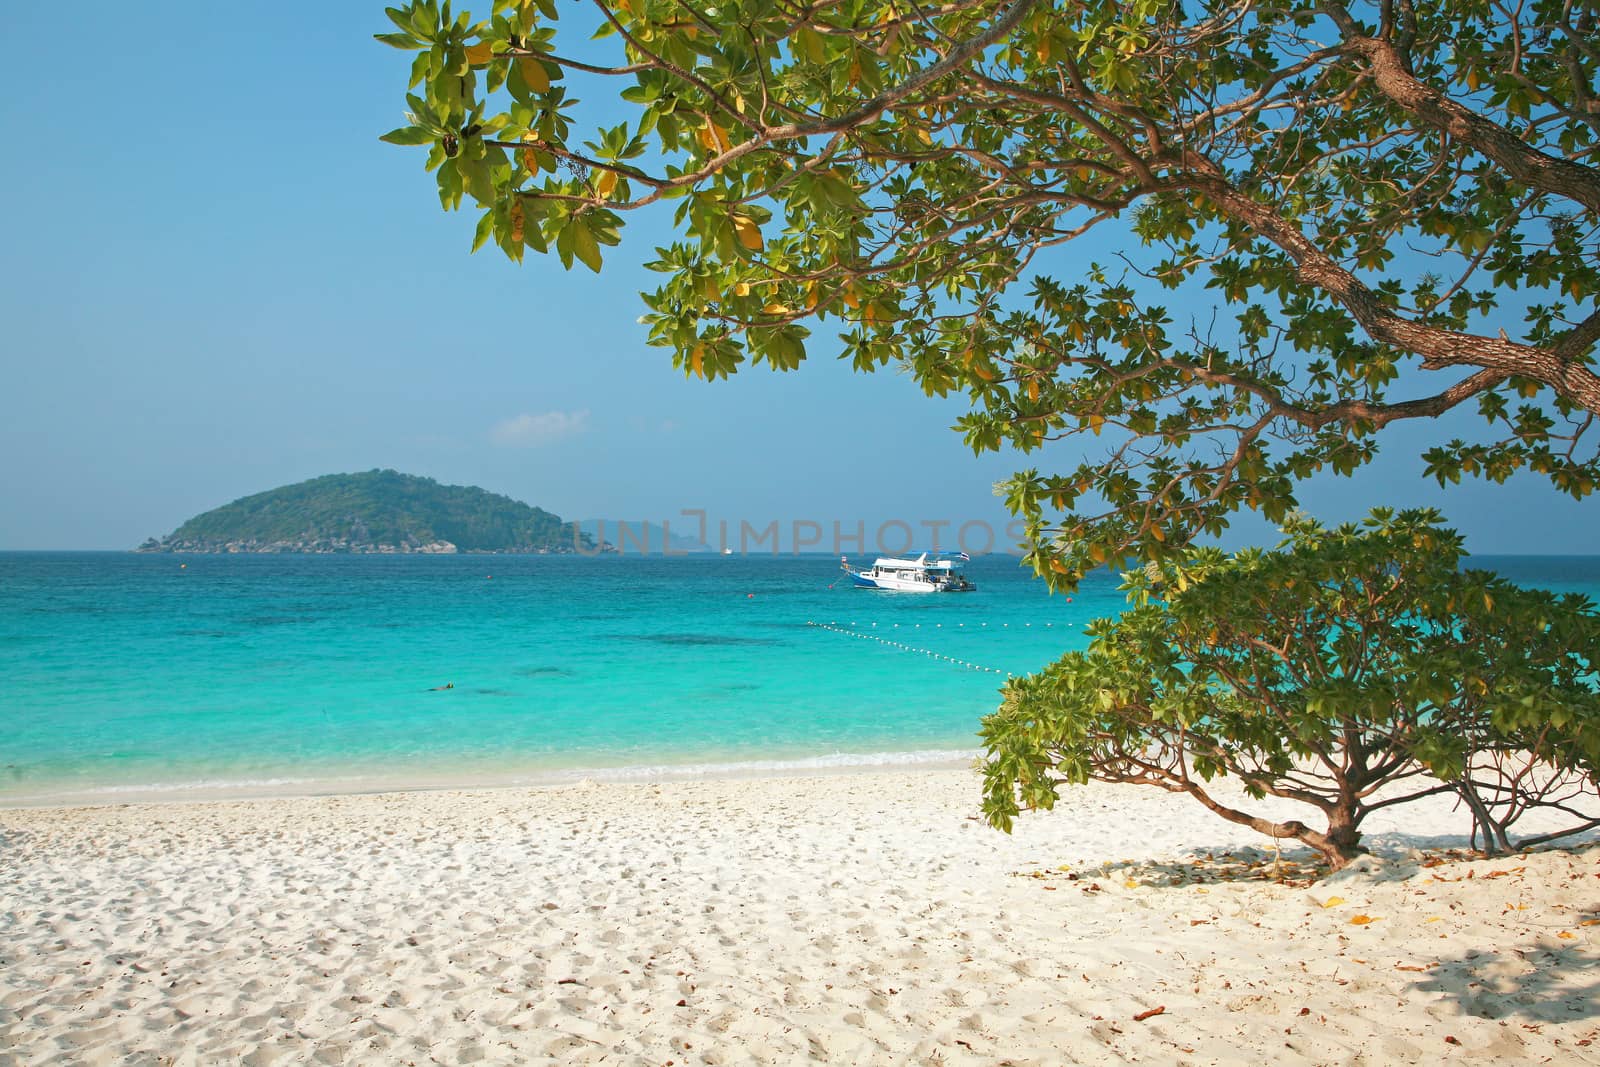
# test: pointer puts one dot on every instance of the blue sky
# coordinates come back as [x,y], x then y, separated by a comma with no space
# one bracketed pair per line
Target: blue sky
[216,280]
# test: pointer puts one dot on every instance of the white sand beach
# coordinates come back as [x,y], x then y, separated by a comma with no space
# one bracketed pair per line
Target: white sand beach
[853,919]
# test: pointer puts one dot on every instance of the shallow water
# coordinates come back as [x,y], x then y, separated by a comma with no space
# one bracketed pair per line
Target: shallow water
[173,675]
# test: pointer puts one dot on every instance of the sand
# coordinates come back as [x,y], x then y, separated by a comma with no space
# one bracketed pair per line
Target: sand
[856,919]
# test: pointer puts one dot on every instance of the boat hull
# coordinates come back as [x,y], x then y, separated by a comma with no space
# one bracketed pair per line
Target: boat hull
[905,585]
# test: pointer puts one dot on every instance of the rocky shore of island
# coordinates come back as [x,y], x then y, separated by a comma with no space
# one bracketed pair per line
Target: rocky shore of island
[341,546]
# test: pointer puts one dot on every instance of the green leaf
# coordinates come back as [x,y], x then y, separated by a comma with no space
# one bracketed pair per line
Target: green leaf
[564,244]
[408,135]
[400,18]
[478,179]
[482,233]
[403,41]
[584,245]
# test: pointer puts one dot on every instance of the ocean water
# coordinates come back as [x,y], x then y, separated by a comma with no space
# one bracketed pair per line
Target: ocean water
[129,676]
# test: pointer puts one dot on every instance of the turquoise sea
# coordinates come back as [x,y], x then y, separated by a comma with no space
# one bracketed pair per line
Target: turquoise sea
[130,676]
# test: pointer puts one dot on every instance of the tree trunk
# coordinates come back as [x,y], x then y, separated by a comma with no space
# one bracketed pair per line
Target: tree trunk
[1340,843]
[1495,840]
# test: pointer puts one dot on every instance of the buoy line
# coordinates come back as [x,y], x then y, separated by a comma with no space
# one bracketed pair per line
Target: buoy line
[833,627]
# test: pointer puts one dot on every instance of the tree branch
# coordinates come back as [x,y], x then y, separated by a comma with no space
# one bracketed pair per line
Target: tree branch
[1521,160]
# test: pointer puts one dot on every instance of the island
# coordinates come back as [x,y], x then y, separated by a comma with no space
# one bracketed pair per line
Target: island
[377,511]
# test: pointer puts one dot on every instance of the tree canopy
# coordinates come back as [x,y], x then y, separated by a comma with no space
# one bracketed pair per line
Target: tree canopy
[1347,671]
[1386,210]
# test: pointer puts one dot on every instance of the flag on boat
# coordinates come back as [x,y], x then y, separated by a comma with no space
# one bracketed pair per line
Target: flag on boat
[963,555]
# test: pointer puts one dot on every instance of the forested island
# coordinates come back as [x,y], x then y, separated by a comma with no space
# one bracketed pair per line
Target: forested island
[378,511]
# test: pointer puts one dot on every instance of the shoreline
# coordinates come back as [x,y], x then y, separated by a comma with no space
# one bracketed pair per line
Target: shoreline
[473,780]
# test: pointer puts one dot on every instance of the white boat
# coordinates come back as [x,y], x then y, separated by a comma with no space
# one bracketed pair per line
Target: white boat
[930,572]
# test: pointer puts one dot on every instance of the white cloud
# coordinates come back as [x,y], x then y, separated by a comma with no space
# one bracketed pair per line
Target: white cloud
[527,429]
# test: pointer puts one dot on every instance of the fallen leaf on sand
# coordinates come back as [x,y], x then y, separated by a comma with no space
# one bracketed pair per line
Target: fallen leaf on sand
[1590,922]
[1333,902]
[1152,1013]
[1568,934]
[1434,919]
[1362,920]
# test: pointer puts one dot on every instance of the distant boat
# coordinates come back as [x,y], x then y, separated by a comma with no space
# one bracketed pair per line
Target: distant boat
[727,551]
[934,572]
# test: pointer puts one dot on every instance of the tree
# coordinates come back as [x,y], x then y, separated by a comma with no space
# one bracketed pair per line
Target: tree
[1350,670]
[1378,199]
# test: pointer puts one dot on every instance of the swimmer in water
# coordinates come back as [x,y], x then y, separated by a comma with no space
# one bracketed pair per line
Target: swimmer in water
[447,685]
